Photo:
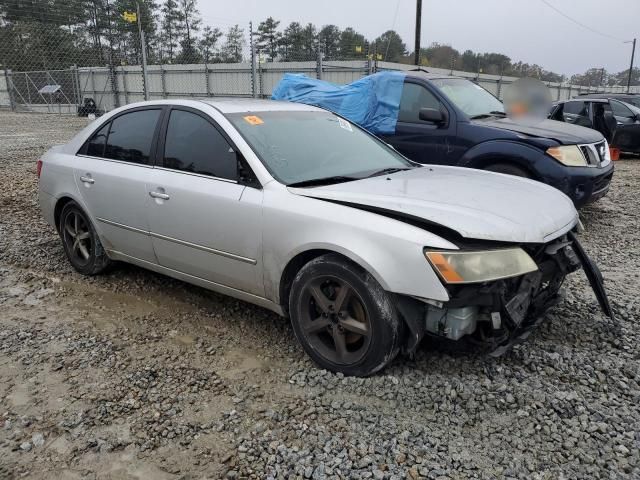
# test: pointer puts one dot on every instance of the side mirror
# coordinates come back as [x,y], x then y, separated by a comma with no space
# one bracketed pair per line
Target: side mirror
[432,115]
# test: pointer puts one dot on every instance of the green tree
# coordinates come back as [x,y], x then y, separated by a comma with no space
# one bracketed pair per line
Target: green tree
[329,39]
[309,40]
[191,21]
[171,28]
[390,46]
[292,43]
[352,44]
[209,43]
[269,37]
[235,42]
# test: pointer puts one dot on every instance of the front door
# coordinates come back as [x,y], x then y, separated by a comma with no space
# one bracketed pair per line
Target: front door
[202,221]
[422,141]
[111,172]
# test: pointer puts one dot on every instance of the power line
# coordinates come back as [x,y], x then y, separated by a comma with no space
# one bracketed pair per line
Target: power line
[393,26]
[571,19]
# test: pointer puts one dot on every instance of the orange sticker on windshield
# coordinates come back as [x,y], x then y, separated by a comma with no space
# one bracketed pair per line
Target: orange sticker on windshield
[253,120]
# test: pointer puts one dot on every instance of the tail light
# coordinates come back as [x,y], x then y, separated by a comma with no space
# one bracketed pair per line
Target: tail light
[39,168]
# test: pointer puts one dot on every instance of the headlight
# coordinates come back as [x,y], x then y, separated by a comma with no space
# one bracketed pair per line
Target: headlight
[569,155]
[471,267]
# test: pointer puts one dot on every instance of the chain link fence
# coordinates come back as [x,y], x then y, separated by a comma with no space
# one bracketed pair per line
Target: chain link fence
[86,57]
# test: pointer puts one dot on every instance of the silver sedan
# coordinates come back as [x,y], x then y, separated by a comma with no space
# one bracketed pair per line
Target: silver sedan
[300,211]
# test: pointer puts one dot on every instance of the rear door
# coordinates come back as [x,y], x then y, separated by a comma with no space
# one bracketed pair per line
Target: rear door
[112,170]
[203,222]
[576,112]
[421,141]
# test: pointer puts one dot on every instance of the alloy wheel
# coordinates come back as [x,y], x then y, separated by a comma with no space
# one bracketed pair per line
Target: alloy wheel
[335,320]
[77,237]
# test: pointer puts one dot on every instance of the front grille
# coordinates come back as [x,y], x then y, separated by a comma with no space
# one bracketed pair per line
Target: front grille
[595,154]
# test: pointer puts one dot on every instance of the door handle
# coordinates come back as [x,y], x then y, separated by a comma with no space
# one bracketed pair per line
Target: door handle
[87,179]
[160,195]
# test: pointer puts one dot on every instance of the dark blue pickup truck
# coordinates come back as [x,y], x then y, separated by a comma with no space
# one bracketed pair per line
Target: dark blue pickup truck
[453,121]
[438,119]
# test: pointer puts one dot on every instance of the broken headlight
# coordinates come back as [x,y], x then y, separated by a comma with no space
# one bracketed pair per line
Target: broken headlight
[484,266]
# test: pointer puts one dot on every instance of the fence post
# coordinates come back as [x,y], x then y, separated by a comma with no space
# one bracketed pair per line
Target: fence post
[254,60]
[124,85]
[114,86]
[319,62]
[7,77]
[163,81]
[569,92]
[207,80]
[499,87]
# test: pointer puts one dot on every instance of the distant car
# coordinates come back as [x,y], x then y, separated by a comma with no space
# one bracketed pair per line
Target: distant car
[618,122]
[630,98]
[295,209]
[446,120]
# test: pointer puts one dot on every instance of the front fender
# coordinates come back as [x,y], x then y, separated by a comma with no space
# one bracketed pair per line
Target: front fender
[390,250]
[504,151]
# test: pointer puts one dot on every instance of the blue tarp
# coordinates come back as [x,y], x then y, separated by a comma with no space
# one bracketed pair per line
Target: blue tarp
[372,102]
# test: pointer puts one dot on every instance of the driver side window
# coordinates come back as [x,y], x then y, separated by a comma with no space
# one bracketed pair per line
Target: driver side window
[414,97]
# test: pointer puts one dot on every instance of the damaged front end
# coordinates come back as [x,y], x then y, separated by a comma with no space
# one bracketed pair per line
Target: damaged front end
[498,314]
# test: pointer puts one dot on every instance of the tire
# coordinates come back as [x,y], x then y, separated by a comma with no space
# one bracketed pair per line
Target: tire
[80,241]
[508,169]
[343,318]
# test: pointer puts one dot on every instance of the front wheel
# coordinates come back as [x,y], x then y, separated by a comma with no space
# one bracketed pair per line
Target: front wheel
[343,318]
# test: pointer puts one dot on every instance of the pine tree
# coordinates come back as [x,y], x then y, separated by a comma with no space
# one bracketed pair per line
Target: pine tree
[235,42]
[269,37]
[171,27]
[209,43]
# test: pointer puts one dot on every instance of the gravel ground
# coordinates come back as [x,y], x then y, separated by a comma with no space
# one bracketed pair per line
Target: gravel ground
[134,375]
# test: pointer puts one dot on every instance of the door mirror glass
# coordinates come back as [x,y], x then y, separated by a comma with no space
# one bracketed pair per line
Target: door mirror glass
[432,115]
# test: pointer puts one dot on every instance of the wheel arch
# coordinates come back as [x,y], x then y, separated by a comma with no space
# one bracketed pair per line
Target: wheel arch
[495,152]
[300,259]
[59,205]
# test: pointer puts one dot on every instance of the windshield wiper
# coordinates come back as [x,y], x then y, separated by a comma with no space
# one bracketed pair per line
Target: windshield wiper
[322,181]
[385,171]
[493,113]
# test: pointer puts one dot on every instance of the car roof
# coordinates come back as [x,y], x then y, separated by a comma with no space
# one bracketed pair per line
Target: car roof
[589,99]
[237,105]
[420,73]
[231,104]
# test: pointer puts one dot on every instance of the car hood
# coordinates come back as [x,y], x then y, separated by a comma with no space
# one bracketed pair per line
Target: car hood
[476,204]
[564,133]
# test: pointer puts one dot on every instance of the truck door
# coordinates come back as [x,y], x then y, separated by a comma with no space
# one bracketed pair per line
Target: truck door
[419,140]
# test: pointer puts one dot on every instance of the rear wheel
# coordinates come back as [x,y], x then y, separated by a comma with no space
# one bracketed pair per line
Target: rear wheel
[508,169]
[343,318]
[81,242]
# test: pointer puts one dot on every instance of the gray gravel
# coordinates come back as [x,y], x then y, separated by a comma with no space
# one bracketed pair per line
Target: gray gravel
[134,375]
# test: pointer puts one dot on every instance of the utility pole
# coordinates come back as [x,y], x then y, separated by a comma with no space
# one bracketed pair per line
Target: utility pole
[633,52]
[418,28]
[143,47]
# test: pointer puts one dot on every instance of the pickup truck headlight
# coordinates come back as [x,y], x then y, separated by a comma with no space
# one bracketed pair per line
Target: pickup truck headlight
[472,267]
[569,155]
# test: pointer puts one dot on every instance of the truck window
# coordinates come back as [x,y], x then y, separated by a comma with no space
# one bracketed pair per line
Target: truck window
[414,97]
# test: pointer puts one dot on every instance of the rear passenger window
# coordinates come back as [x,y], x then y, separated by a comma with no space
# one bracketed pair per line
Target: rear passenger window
[131,136]
[414,97]
[95,145]
[194,145]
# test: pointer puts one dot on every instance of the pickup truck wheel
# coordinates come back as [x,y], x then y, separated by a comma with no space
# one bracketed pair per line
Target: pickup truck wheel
[508,169]
[343,318]
[81,242]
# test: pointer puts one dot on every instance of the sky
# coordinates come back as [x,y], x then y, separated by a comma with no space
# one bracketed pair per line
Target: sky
[527,30]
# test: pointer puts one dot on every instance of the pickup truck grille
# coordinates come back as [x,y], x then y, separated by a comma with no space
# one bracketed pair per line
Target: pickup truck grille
[595,153]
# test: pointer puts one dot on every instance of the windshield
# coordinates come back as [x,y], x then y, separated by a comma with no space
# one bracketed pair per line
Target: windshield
[469,97]
[299,147]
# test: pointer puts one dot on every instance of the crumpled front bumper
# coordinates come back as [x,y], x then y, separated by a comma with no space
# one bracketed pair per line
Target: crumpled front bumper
[508,310]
